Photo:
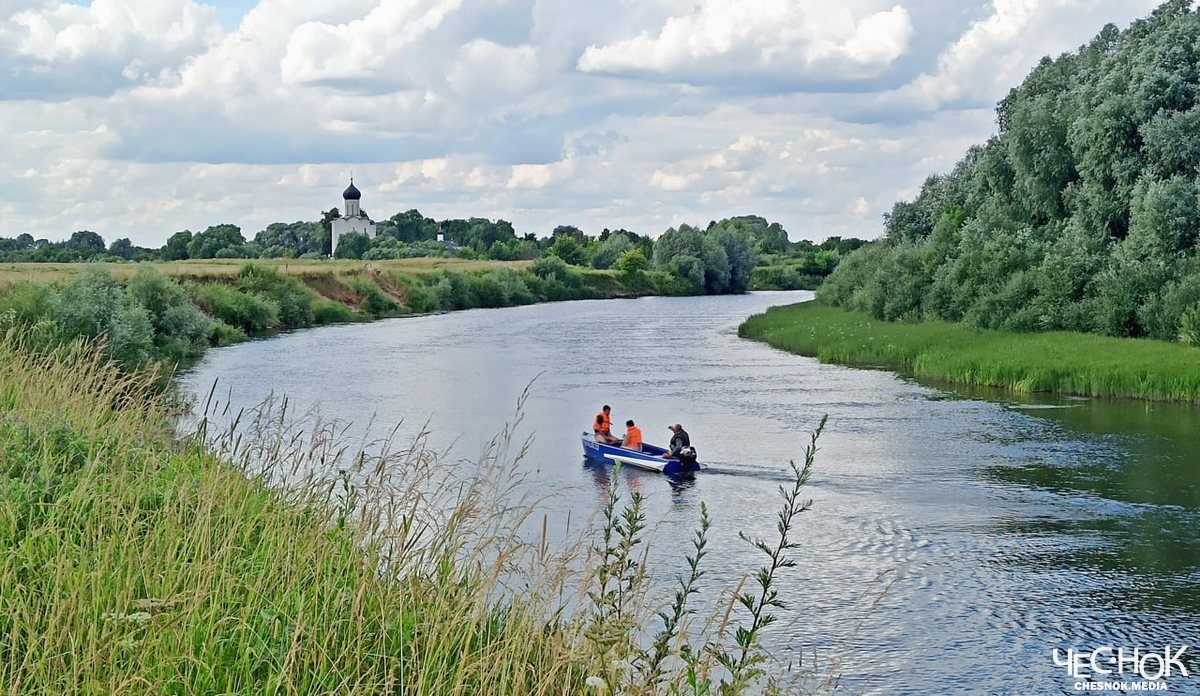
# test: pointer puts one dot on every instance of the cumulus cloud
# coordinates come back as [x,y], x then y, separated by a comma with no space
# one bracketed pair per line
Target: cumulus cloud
[142,118]
[365,47]
[58,50]
[996,52]
[762,38]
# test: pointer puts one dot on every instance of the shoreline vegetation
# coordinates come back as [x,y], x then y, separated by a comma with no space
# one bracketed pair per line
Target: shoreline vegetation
[1081,214]
[1063,362]
[171,312]
[273,558]
[167,306]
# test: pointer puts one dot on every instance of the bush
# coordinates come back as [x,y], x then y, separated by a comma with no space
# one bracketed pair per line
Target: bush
[28,303]
[1189,326]
[222,334]
[293,297]
[633,261]
[180,329]
[784,278]
[332,313]
[489,291]
[374,302]
[249,312]
[453,292]
[516,292]
[94,306]
[549,267]
[421,297]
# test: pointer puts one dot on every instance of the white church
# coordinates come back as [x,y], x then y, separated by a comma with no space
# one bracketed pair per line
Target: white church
[352,220]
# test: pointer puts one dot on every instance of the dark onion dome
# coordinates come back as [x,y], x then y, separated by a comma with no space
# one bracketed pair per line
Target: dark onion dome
[351,193]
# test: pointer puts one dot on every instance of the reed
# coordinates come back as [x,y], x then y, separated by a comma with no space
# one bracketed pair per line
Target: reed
[1063,362]
[275,556]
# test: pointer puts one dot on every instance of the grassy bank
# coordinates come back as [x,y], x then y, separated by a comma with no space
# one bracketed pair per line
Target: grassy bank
[137,564]
[169,312]
[278,561]
[1064,362]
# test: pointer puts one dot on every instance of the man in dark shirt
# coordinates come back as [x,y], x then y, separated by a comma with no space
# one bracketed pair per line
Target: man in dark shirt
[679,440]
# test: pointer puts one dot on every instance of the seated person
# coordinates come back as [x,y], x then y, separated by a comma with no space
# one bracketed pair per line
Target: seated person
[602,431]
[633,437]
[679,440]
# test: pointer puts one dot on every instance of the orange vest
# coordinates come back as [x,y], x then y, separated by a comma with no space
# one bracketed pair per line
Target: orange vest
[602,424]
[633,437]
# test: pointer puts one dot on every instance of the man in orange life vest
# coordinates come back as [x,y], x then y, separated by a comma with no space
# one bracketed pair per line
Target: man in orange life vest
[633,437]
[603,427]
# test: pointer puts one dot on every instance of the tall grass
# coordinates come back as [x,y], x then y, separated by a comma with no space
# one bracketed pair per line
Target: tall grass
[275,557]
[1065,362]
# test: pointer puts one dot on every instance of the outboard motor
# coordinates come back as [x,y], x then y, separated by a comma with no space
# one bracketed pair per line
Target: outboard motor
[687,458]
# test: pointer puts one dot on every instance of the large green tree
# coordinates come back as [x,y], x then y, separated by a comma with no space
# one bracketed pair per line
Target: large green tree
[1081,213]
[209,243]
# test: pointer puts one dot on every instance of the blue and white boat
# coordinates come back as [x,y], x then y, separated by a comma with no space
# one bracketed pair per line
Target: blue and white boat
[650,457]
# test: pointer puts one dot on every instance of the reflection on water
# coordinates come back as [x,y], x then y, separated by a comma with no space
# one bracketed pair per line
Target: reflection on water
[1155,457]
[957,536]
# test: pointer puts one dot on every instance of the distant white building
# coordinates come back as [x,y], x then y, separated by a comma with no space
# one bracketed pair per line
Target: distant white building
[352,220]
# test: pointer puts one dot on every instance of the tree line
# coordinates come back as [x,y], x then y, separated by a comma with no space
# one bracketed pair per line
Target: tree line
[731,255]
[1082,213]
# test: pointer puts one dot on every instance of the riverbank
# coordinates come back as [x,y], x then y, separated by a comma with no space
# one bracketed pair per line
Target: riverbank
[1062,362]
[139,561]
[172,312]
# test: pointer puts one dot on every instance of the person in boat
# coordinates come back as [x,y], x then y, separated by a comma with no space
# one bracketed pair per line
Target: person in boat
[679,440]
[681,448]
[633,437]
[602,427]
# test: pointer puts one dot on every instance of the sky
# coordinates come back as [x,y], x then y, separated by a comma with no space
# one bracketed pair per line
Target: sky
[140,118]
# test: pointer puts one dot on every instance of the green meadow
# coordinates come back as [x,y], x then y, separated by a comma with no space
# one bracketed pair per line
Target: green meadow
[1060,361]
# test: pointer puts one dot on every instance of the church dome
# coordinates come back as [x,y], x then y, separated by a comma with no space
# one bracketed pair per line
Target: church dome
[351,193]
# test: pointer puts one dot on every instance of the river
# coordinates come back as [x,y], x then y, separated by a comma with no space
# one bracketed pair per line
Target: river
[956,538]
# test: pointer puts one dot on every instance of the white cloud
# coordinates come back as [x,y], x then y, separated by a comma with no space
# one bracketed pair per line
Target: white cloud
[776,38]
[996,52]
[539,176]
[671,182]
[364,48]
[142,118]
[107,43]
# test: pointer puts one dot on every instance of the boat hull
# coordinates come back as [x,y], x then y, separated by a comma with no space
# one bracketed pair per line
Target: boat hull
[648,459]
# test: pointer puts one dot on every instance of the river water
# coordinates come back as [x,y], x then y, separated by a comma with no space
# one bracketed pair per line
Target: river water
[956,538]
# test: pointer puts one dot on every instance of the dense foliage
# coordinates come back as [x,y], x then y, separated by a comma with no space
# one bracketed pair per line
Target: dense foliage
[1081,214]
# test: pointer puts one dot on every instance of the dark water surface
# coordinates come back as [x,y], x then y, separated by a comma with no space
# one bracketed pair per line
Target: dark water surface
[957,536]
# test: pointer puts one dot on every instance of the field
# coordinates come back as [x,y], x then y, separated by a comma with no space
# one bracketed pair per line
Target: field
[1063,362]
[11,273]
